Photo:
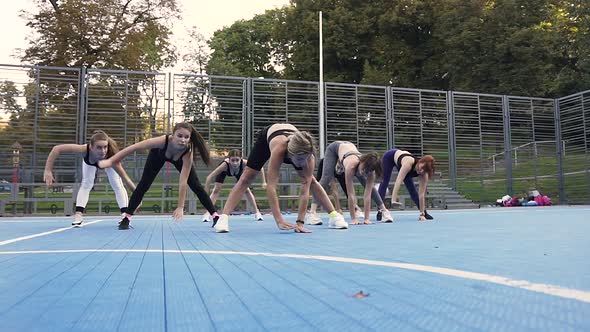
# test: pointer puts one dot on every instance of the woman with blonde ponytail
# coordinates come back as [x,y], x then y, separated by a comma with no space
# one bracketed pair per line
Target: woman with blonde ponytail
[177,149]
[282,143]
[101,146]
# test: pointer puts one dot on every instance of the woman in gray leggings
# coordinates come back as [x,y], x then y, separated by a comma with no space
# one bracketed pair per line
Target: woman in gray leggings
[343,159]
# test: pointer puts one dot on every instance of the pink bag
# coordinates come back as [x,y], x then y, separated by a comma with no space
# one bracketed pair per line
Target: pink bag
[513,202]
[543,200]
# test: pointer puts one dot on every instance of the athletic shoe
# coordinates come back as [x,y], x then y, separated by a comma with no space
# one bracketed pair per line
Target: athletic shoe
[386,216]
[258,216]
[77,220]
[427,216]
[206,217]
[359,214]
[222,224]
[313,219]
[124,223]
[379,215]
[338,222]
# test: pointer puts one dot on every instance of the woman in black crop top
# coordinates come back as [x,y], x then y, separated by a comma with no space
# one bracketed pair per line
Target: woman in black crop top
[233,165]
[178,150]
[101,146]
[408,168]
[282,143]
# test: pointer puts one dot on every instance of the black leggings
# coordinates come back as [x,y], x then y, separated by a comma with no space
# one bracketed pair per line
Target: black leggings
[153,165]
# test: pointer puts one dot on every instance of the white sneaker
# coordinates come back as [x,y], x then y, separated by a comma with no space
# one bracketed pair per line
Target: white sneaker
[312,218]
[258,216]
[359,214]
[206,217]
[338,222]
[222,225]
[78,220]
[387,217]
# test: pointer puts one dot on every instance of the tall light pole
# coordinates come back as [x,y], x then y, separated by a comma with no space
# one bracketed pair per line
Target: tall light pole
[321,98]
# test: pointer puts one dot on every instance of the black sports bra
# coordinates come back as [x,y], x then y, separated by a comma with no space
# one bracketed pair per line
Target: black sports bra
[163,152]
[413,172]
[286,133]
[87,157]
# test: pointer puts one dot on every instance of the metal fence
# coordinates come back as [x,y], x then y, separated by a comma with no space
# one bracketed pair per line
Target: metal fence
[485,145]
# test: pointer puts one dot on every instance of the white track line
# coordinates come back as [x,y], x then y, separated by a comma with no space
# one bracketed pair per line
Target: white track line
[23,238]
[568,293]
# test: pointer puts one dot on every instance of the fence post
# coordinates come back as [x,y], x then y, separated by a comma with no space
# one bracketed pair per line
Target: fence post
[560,153]
[507,143]
[452,140]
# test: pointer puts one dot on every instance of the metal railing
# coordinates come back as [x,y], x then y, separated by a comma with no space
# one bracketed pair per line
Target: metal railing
[44,106]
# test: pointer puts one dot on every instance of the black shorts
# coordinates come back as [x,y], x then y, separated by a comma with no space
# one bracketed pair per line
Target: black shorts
[260,152]
[220,178]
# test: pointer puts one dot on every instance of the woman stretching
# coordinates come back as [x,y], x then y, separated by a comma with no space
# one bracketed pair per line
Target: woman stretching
[176,149]
[408,168]
[282,143]
[101,146]
[343,159]
[234,166]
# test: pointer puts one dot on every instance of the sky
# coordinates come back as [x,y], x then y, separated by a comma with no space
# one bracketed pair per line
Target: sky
[207,15]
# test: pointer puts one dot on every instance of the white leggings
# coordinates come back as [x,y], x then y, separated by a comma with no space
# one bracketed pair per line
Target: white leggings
[88,175]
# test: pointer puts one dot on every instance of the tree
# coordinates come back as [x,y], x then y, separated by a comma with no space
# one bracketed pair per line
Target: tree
[537,48]
[112,34]
[247,48]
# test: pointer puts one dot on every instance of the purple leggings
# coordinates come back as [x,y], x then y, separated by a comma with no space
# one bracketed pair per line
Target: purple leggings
[388,164]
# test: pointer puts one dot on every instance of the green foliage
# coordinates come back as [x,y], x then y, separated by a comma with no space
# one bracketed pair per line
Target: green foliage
[516,47]
[111,34]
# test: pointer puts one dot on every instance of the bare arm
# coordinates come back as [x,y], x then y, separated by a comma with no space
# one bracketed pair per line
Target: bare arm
[401,175]
[336,195]
[187,164]
[306,175]
[367,195]
[422,193]
[118,167]
[55,152]
[263,178]
[348,178]
[143,145]
[212,175]
[276,159]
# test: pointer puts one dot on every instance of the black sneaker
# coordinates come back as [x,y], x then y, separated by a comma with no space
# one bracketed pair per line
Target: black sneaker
[427,216]
[379,215]
[215,220]
[124,223]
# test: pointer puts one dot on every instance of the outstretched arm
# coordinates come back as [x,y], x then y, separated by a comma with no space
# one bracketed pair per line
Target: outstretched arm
[307,178]
[118,167]
[143,145]
[263,185]
[367,196]
[348,178]
[422,194]
[212,175]
[187,164]
[55,152]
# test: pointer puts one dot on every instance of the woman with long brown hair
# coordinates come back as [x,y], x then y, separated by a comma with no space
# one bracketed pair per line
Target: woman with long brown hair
[101,146]
[408,167]
[176,149]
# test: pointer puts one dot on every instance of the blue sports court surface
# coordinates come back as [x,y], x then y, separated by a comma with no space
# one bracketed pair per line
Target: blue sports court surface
[502,269]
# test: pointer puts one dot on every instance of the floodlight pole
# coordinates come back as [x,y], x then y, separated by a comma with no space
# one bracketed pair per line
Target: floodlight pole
[321,95]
